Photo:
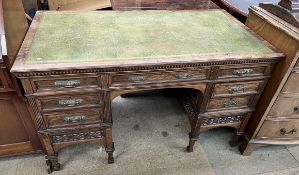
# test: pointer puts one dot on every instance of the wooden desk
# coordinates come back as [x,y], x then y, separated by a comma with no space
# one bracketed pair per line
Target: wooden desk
[72,65]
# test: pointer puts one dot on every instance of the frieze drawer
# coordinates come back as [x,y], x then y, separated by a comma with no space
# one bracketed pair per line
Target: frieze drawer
[69,102]
[77,136]
[285,107]
[230,89]
[156,76]
[227,103]
[65,83]
[279,129]
[240,72]
[74,117]
[292,85]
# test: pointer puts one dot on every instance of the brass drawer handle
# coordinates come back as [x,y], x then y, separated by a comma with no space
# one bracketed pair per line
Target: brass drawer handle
[229,103]
[70,102]
[74,119]
[283,131]
[236,89]
[137,78]
[67,83]
[296,109]
[183,75]
[242,72]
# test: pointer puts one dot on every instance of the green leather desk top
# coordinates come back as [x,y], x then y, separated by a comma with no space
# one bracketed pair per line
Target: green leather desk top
[105,36]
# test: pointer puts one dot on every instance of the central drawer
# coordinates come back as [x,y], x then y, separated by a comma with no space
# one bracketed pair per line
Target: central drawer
[65,102]
[279,129]
[158,76]
[238,72]
[74,117]
[228,103]
[238,88]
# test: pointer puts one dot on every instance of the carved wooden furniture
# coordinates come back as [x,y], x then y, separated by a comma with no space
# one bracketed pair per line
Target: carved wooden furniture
[275,121]
[17,132]
[162,4]
[70,86]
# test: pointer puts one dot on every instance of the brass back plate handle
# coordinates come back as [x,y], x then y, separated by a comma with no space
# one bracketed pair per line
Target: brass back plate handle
[67,83]
[283,131]
[74,119]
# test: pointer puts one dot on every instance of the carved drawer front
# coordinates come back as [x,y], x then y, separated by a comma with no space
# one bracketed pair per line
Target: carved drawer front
[74,117]
[77,136]
[70,101]
[65,83]
[240,72]
[227,89]
[227,103]
[292,84]
[279,129]
[286,107]
[149,77]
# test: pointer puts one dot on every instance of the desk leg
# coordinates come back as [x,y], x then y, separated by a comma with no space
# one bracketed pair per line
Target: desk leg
[194,134]
[52,156]
[109,145]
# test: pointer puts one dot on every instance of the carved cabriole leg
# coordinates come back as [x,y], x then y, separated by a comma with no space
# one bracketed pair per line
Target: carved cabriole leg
[52,156]
[109,145]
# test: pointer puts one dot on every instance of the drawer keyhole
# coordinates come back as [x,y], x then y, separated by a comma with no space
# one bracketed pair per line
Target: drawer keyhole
[296,109]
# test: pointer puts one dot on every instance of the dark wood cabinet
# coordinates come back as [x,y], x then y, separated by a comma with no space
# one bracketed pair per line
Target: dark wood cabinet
[17,132]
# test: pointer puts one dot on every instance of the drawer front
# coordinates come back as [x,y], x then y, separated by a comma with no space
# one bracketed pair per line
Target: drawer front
[279,129]
[292,85]
[64,83]
[241,72]
[237,88]
[286,107]
[76,136]
[227,103]
[154,77]
[74,117]
[70,101]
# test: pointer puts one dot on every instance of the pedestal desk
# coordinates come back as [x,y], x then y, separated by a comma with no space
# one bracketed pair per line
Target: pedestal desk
[72,64]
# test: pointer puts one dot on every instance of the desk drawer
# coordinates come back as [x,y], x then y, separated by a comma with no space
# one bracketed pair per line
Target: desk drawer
[228,89]
[292,84]
[69,101]
[286,107]
[158,76]
[78,135]
[74,117]
[235,72]
[279,129]
[227,103]
[62,83]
